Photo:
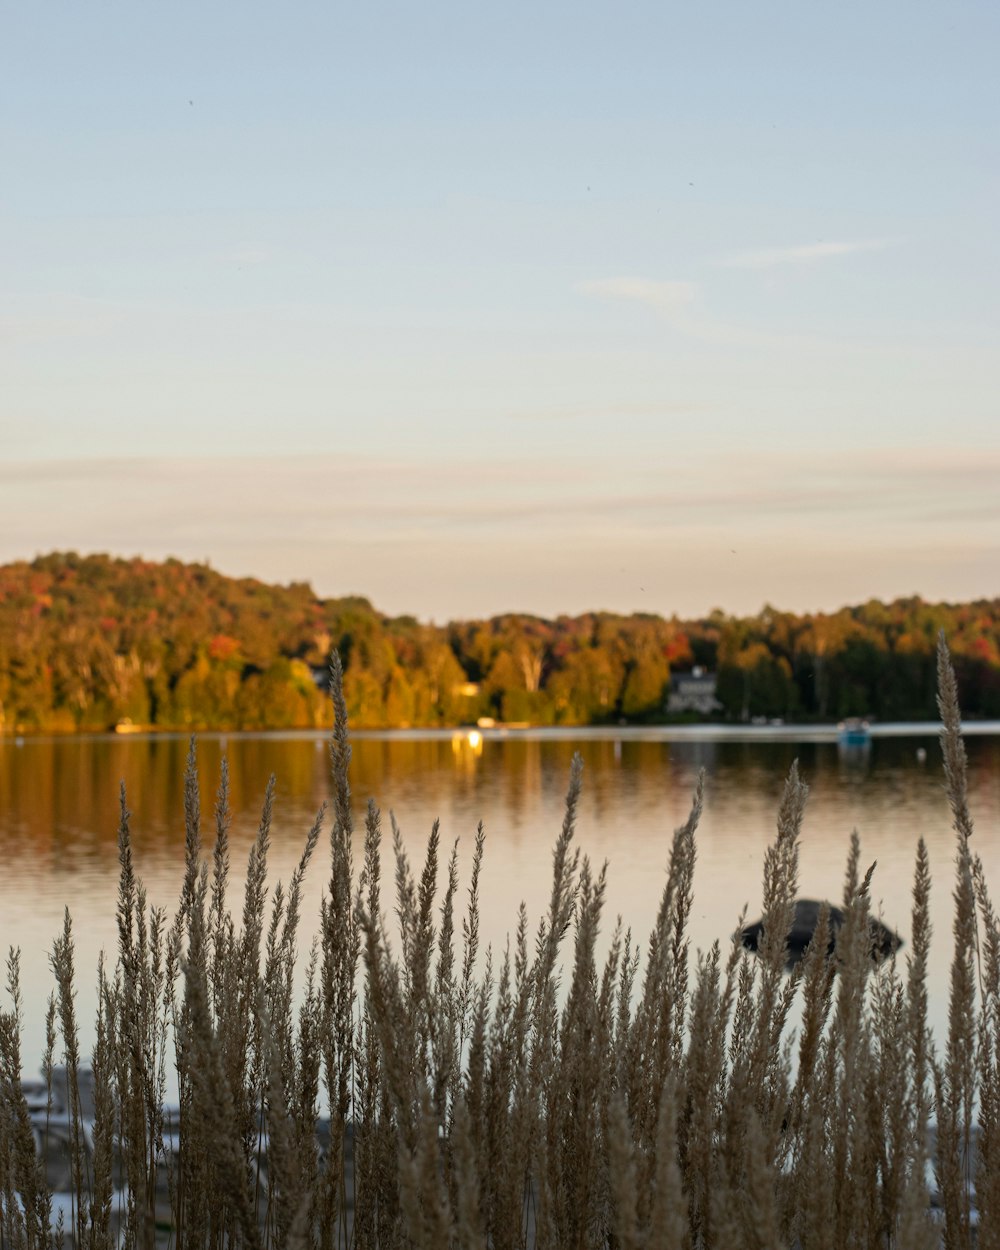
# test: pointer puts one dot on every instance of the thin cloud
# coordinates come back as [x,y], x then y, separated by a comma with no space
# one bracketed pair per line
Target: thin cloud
[208,499]
[664,296]
[677,303]
[802,254]
[610,411]
[502,529]
[306,477]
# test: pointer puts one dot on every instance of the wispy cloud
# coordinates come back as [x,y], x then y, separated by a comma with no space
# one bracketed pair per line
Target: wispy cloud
[664,296]
[611,410]
[473,535]
[467,492]
[801,254]
[678,303]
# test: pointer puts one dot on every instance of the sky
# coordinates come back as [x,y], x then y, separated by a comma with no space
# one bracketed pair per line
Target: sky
[535,307]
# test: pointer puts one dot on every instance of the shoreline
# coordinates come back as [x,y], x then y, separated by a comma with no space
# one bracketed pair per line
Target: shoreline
[702,732]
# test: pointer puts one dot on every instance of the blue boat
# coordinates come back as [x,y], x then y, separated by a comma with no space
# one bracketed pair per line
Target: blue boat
[854,732]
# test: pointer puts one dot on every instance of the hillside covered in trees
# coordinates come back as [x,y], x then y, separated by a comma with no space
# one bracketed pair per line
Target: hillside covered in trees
[91,642]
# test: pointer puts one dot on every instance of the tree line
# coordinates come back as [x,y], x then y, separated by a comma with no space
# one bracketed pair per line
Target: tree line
[94,642]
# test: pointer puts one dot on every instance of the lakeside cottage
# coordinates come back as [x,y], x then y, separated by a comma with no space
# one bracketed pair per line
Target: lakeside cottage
[693,692]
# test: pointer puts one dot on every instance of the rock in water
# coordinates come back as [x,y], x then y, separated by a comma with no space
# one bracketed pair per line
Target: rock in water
[884,941]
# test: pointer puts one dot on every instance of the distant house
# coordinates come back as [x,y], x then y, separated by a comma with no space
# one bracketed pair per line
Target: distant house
[693,692]
[320,673]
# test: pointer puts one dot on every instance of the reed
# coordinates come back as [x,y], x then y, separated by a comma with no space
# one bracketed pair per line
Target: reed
[399,1087]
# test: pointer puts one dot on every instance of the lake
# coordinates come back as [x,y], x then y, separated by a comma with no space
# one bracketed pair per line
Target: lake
[59,816]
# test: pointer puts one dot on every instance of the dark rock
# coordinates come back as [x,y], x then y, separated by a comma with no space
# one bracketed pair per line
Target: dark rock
[884,941]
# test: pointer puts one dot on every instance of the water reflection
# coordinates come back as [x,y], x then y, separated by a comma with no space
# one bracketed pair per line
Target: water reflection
[59,819]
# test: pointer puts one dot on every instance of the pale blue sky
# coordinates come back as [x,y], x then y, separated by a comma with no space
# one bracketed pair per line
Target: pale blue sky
[546,308]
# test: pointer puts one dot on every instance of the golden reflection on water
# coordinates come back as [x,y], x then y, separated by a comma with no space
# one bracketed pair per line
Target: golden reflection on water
[59,819]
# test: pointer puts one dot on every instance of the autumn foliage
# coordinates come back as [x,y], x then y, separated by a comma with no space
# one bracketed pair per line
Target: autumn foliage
[88,642]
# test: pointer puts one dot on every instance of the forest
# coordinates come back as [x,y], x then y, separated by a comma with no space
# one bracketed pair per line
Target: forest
[92,643]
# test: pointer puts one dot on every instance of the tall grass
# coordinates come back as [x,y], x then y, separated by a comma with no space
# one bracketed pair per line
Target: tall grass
[396,1086]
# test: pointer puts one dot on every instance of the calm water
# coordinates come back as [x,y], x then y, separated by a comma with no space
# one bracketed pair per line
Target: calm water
[58,821]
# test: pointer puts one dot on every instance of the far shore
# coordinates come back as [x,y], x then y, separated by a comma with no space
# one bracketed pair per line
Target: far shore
[701,732]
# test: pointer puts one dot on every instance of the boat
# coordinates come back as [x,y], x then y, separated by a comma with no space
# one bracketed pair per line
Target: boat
[854,732]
